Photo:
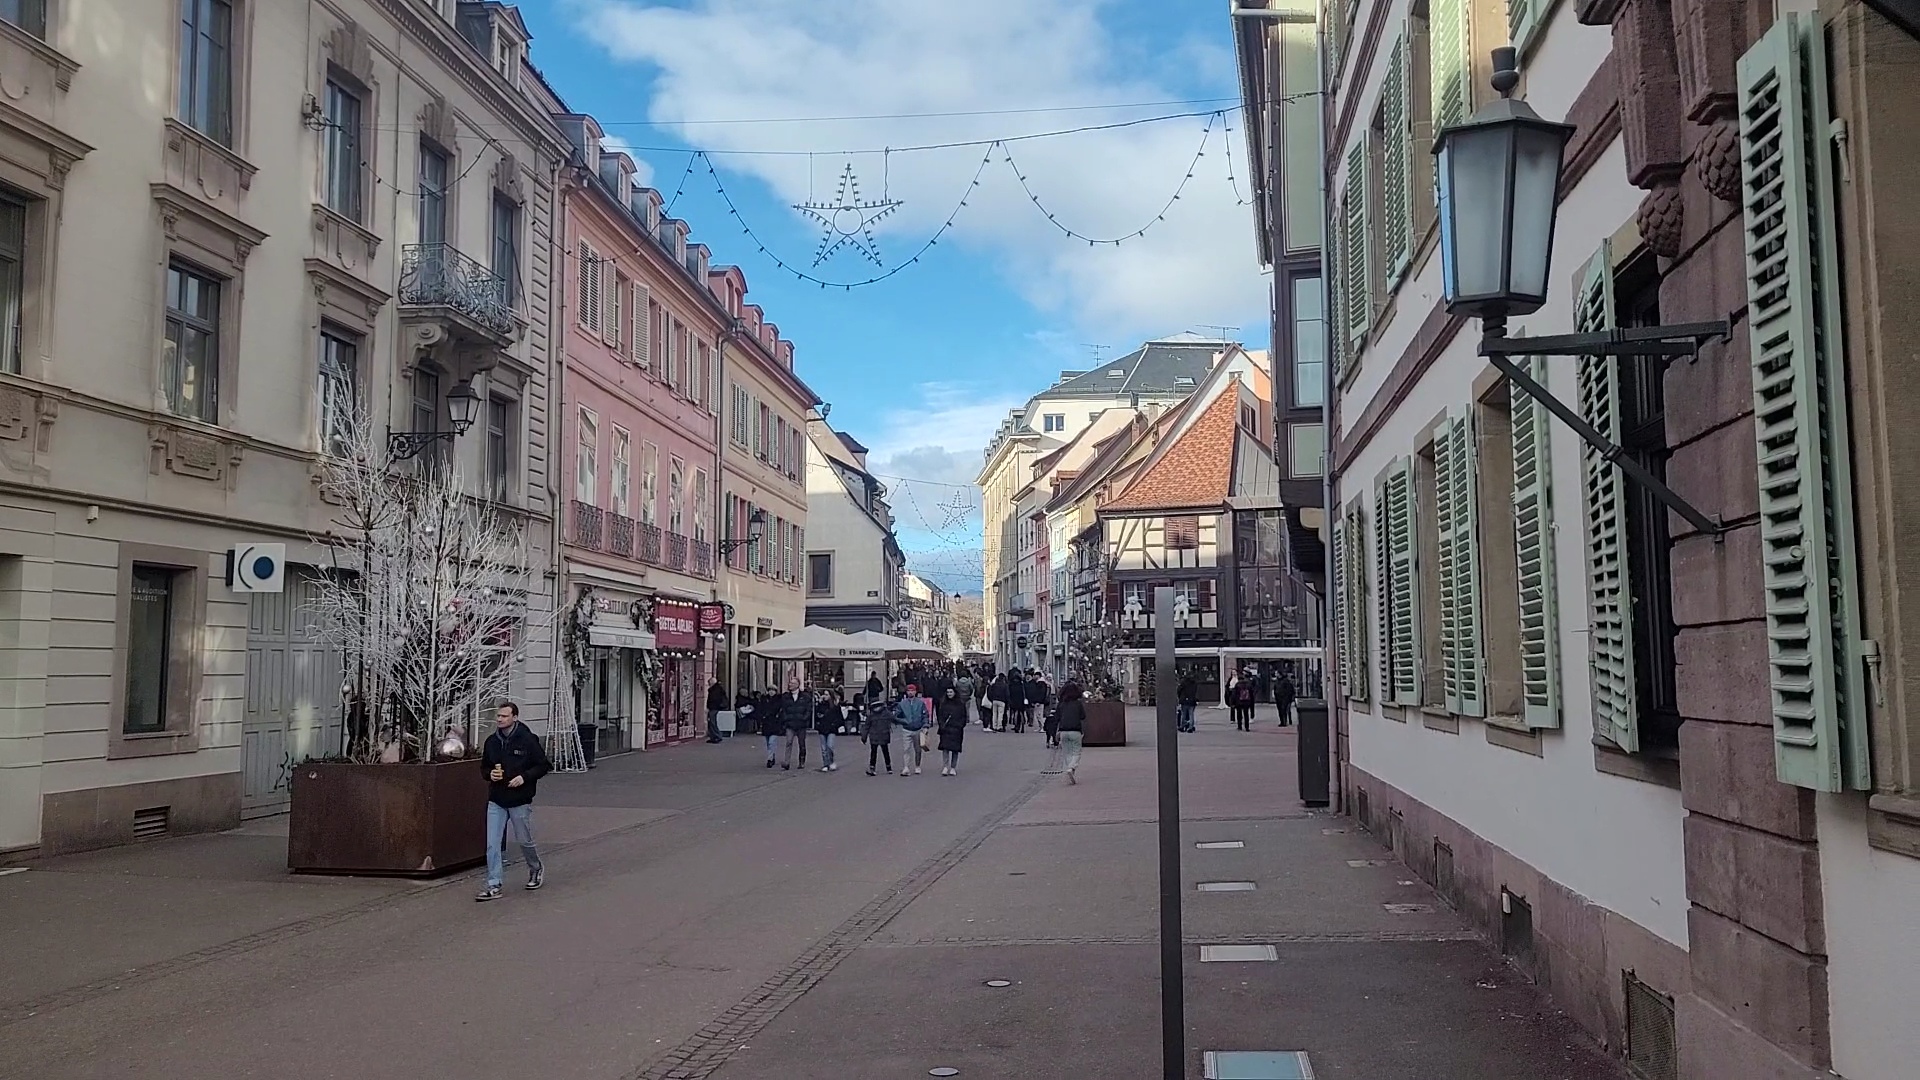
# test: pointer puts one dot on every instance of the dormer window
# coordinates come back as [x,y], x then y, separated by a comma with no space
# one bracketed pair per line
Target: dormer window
[1183,382]
[1117,373]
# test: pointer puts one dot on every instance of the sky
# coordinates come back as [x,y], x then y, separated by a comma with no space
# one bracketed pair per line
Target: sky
[785,95]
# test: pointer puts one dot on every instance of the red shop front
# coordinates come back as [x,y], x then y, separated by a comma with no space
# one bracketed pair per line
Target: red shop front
[673,705]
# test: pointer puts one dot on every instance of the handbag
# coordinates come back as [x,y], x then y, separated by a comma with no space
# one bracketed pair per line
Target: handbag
[926,739]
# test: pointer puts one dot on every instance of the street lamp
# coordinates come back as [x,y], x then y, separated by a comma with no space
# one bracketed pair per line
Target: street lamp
[463,407]
[1499,179]
[756,527]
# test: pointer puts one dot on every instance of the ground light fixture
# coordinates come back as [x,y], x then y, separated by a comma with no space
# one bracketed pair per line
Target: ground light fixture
[1499,189]
[463,407]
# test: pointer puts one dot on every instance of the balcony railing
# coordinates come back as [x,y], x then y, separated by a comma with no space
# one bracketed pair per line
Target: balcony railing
[620,535]
[440,275]
[676,551]
[649,543]
[588,525]
[703,558]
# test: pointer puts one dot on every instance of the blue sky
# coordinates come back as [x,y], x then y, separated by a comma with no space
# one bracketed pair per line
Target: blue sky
[921,367]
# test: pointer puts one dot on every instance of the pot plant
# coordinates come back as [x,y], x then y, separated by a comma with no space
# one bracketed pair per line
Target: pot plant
[1092,655]
[424,607]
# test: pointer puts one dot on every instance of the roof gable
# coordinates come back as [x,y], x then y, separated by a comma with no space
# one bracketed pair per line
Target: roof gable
[1194,467]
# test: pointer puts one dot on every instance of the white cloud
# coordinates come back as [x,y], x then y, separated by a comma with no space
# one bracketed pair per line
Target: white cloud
[786,58]
[642,168]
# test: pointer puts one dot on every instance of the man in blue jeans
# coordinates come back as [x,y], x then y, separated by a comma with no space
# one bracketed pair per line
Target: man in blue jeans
[515,761]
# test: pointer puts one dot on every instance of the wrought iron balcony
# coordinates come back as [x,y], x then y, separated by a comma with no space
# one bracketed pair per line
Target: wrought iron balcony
[650,543]
[703,558]
[676,551]
[620,535]
[441,276]
[588,526]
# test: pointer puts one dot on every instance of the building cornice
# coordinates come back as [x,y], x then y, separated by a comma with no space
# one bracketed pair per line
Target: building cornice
[442,41]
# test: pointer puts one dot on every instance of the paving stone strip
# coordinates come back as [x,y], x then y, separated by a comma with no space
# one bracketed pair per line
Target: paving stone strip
[708,1050]
[14,1012]
[1332,937]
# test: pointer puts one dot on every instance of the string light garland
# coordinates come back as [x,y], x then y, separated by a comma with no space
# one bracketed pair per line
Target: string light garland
[1227,136]
[1093,241]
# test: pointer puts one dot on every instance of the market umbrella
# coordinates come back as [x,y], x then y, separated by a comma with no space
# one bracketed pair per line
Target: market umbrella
[897,648]
[817,643]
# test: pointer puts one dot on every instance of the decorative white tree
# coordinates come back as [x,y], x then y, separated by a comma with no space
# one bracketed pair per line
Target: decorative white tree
[423,602]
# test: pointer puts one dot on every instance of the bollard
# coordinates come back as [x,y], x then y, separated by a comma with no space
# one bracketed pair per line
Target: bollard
[1314,751]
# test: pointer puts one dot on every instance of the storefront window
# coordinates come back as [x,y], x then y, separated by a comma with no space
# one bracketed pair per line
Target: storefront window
[609,697]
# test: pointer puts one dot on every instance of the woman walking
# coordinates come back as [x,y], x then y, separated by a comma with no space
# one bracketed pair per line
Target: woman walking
[879,734]
[914,713]
[953,731]
[1072,721]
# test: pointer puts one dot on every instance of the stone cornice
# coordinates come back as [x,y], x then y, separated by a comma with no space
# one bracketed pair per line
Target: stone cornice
[441,40]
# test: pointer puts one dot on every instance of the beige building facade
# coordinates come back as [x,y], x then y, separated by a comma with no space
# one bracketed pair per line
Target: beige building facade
[278,218]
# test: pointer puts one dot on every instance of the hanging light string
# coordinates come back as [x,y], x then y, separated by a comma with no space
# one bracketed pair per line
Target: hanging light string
[734,210]
[682,186]
[1092,241]
[1226,135]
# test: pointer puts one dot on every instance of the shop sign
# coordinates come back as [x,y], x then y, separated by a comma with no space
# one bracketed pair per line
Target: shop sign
[713,618]
[675,626]
[764,621]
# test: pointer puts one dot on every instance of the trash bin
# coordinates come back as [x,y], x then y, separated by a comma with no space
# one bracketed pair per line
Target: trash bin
[1314,751]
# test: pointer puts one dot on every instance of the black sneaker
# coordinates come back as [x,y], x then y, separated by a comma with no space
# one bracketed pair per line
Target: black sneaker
[769,763]
[536,879]
[491,892]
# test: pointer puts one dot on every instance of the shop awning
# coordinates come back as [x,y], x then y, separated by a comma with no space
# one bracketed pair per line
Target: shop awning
[815,642]
[619,637]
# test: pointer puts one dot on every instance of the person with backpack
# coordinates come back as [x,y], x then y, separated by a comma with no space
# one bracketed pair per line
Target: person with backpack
[963,688]
[913,713]
[1241,697]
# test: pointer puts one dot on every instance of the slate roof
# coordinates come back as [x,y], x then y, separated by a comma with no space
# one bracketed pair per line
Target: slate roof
[1197,470]
[1149,370]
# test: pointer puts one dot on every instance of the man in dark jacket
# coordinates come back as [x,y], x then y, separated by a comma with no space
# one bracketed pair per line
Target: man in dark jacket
[796,716]
[716,704]
[1188,696]
[1283,695]
[515,761]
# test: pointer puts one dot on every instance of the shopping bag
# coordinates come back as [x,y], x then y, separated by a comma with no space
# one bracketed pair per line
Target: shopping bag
[926,739]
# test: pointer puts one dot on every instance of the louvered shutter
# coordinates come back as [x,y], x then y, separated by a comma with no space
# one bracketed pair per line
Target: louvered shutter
[1342,602]
[1449,63]
[1353,257]
[1353,610]
[1800,412]
[1609,593]
[1402,660]
[1533,556]
[1523,17]
[1383,514]
[1396,179]
[1462,668]
[1336,296]
[642,350]
[587,300]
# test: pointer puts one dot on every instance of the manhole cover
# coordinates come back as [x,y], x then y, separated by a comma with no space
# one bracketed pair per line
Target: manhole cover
[1237,954]
[1226,886]
[996,983]
[1218,845]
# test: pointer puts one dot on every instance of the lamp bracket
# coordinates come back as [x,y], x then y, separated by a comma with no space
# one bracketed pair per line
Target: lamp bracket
[406,445]
[1680,339]
[1609,451]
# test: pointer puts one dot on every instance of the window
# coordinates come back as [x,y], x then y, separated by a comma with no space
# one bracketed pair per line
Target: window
[586,459]
[701,509]
[150,653]
[193,343]
[705,389]
[1053,422]
[588,298]
[1512,630]
[339,391]
[616,312]
[1249,419]
[344,156]
[762,432]
[28,15]
[819,573]
[13,280]
[742,414]
[757,545]
[426,416]
[1643,434]
[206,65]
[622,473]
[1309,343]
[676,496]
[1183,532]
[670,360]
[500,439]
[645,312]
[1396,589]
[506,247]
[434,170]
[649,483]
[1306,451]
[781,552]
[1426,579]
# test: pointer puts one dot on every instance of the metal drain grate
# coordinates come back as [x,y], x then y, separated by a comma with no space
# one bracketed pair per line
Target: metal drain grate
[1653,1051]
[151,823]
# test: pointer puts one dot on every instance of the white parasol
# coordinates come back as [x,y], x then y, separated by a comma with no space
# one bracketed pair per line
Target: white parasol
[817,643]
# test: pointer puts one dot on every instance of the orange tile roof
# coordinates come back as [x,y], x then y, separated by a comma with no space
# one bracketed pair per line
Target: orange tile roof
[1197,470]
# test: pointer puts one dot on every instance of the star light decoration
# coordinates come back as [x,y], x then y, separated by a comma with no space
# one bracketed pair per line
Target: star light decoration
[848,220]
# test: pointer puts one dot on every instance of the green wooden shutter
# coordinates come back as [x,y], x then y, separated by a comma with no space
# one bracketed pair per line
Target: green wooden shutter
[1336,298]
[1353,254]
[1333,33]
[1463,663]
[1396,179]
[1799,410]
[1523,18]
[1449,63]
[1533,555]
[1400,659]
[1342,600]
[1383,516]
[1357,612]
[1609,594]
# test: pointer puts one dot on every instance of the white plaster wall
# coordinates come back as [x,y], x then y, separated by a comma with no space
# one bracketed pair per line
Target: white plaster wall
[1873,946]
[835,524]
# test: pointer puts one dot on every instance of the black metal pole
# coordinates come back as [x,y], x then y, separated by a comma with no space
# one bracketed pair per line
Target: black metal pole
[1173,988]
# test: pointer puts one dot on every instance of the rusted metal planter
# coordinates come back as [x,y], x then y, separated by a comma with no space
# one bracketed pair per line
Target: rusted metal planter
[402,820]
[1106,723]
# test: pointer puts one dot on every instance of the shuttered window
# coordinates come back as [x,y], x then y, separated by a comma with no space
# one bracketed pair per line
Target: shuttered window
[1533,556]
[1609,594]
[1523,21]
[1396,179]
[1462,654]
[1814,637]
[589,290]
[1449,62]
[641,347]
[1353,255]
[1336,299]
[1350,579]
[1397,567]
